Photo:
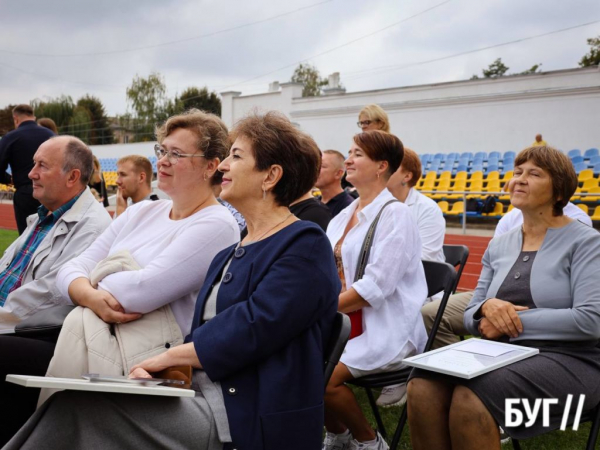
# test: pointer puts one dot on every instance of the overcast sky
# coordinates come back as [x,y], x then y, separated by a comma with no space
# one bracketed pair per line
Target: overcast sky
[74,47]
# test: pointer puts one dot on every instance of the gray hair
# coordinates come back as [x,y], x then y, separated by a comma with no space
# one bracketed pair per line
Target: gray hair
[77,155]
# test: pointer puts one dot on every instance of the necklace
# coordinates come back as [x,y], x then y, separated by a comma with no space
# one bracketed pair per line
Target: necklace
[270,229]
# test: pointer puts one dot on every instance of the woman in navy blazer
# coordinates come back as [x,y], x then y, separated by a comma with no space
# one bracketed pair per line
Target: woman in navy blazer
[261,323]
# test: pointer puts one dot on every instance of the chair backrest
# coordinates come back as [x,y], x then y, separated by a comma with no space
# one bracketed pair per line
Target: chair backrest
[456,255]
[337,342]
[440,277]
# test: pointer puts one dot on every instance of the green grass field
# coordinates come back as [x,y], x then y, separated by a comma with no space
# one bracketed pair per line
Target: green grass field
[557,440]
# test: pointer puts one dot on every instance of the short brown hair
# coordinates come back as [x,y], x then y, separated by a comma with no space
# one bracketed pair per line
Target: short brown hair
[339,156]
[381,146]
[411,163]
[23,110]
[48,123]
[376,113]
[275,140]
[212,134]
[561,170]
[141,164]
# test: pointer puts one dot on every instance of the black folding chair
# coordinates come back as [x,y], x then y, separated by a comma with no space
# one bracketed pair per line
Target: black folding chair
[337,342]
[589,416]
[456,255]
[440,277]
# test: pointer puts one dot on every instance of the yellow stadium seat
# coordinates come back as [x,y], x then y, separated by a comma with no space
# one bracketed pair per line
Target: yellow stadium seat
[589,184]
[577,197]
[476,186]
[585,174]
[494,175]
[596,215]
[443,185]
[591,198]
[477,176]
[457,208]
[459,186]
[446,175]
[443,206]
[460,176]
[510,208]
[498,210]
[493,186]
[506,177]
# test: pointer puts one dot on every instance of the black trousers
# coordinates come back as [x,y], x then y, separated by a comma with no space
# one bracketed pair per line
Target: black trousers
[20,356]
[24,205]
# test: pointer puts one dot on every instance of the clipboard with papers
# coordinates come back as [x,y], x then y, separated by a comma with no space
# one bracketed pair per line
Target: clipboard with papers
[471,358]
[97,386]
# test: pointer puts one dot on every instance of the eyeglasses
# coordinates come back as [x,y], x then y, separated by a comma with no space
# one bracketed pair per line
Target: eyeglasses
[173,156]
[365,123]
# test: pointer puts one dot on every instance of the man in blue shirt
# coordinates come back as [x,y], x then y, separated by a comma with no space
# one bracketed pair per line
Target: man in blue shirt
[17,149]
[67,222]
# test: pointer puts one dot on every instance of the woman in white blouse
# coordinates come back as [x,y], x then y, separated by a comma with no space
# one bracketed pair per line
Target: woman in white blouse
[390,294]
[173,241]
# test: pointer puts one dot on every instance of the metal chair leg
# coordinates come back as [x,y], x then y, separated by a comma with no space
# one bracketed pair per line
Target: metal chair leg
[593,437]
[375,409]
[399,429]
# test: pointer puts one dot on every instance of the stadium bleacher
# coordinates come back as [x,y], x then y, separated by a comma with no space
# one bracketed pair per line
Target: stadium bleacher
[446,176]
[109,169]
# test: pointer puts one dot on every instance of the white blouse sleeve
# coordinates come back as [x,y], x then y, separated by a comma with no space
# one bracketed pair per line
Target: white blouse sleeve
[395,246]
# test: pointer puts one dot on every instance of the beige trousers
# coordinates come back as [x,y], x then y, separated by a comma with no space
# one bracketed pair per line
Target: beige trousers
[452,320]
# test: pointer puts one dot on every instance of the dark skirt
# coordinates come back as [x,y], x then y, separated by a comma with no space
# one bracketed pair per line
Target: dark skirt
[554,373]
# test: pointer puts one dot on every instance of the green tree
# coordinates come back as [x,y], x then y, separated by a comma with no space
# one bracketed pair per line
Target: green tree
[311,79]
[194,97]
[593,57]
[59,109]
[6,120]
[99,128]
[496,69]
[147,97]
[534,69]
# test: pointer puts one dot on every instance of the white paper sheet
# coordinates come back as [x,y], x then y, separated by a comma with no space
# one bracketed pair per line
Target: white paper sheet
[481,347]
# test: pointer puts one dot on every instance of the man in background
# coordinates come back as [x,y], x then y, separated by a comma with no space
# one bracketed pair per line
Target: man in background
[539,142]
[134,181]
[330,182]
[17,149]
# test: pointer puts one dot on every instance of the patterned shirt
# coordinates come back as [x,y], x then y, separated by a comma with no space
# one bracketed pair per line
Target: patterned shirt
[12,277]
[236,214]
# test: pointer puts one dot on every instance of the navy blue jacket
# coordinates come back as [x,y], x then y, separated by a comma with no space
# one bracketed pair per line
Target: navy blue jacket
[17,149]
[275,308]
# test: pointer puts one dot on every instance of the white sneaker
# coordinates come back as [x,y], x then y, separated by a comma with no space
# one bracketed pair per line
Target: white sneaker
[379,444]
[392,396]
[336,441]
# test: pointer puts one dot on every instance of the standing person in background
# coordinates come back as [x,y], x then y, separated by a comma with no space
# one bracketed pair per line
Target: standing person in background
[373,117]
[97,183]
[539,142]
[48,123]
[17,149]
[134,182]
[309,208]
[330,182]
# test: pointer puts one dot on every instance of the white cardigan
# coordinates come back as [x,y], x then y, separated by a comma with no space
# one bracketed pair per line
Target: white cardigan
[393,284]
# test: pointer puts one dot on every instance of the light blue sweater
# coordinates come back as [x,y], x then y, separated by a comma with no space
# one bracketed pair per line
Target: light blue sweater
[565,284]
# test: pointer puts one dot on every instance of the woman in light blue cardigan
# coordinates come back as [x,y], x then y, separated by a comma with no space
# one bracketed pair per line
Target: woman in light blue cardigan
[538,288]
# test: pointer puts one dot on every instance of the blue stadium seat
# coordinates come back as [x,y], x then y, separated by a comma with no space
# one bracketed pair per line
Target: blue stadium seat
[435,165]
[595,160]
[461,168]
[467,155]
[495,155]
[579,167]
[510,155]
[440,156]
[477,168]
[491,168]
[576,159]
[574,152]
[493,161]
[597,169]
[481,155]
[591,152]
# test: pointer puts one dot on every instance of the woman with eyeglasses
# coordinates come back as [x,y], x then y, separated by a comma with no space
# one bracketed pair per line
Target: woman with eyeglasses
[261,325]
[373,117]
